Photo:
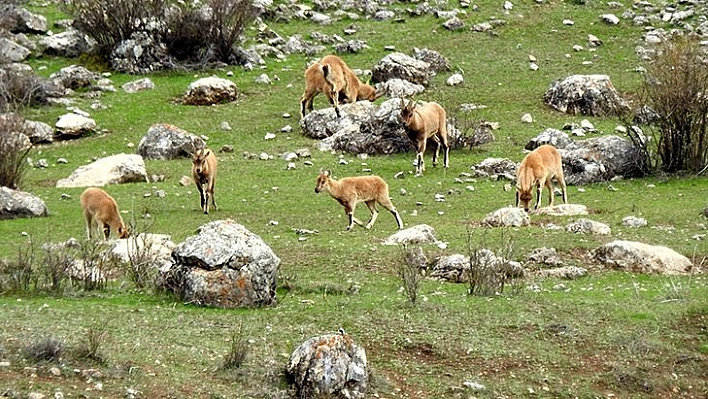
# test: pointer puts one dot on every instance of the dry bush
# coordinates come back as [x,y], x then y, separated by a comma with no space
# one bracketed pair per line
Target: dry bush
[193,32]
[14,148]
[676,89]
[16,276]
[92,342]
[47,349]
[208,33]
[238,349]
[18,89]
[490,271]
[410,270]
[109,22]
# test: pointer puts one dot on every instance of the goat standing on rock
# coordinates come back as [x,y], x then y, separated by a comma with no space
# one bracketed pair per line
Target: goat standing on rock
[332,76]
[351,190]
[428,121]
[537,170]
[204,175]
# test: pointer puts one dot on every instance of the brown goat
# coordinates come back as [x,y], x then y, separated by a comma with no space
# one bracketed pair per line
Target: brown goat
[428,121]
[351,190]
[204,175]
[340,84]
[101,213]
[537,170]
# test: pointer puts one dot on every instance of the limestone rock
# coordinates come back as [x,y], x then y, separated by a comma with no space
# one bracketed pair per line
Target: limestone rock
[115,169]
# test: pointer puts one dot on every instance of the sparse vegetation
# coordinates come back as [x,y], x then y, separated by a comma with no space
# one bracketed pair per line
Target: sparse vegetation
[675,90]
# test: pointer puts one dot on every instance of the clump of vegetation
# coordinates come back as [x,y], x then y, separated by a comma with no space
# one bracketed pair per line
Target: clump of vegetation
[14,148]
[18,89]
[675,87]
[47,349]
[194,33]
[91,344]
[409,271]
[490,273]
[238,349]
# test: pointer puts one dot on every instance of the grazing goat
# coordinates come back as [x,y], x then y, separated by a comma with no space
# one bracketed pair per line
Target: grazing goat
[204,175]
[428,121]
[101,213]
[340,84]
[537,170]
[351,190]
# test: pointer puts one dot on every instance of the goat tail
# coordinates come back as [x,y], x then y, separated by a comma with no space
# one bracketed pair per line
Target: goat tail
[327,73]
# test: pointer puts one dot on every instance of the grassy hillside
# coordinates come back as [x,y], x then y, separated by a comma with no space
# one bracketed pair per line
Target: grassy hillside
[631,336]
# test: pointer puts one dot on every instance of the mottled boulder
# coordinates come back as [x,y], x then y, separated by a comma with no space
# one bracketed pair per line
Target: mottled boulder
[210,91]
[140,54]
[21,20]
[138,85]
[19,204]
[38,132]
[508,216]
[72,126]
[593,160]
[419,234]
[116,169]
[402,66]
[328,366]
[70,44]
[642,258]
[363,128]
[74,77]
[438,63]
[396,88]
[12,52]
[587,226]
[165,141]
[453,268]
[562,210]
[492,167]
[224,266]
[592,95]
[457,268]
[545,256]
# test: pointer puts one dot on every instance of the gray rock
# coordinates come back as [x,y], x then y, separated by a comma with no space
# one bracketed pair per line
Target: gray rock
[210,91]
[633,221]
[546,256]
[509,216]
[592,95]
[115,169]
[562,210]
[74,77]
[587,226]
[396,88]
[402,66]
[419,234]
[138,85]
[331,366]
[12,52]
[140,54]
[19,204]
[71,126]
[21,20]
[643,258]
[437,62]
[453,268]
[225,266]
[154,249]
[165,141]
[69,44]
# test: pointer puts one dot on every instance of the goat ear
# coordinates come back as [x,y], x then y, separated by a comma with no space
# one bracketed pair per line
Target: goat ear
[327,173]
[207,152]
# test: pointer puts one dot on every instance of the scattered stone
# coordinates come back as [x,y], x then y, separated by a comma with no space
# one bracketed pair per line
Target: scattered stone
[508,216]
[587,226]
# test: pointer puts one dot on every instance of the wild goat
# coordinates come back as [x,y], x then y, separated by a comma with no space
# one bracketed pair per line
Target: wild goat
[428,121]
[101,213]
[340,84]
[204,175]
[537,169]
[351,190]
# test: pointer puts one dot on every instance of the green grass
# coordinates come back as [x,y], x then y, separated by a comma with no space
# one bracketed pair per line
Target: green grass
[611,332]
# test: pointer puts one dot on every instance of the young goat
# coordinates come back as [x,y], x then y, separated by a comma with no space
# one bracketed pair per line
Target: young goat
[101,213]
[204,175]
[536,170]
[351,190]
[340,84]
[422,123]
